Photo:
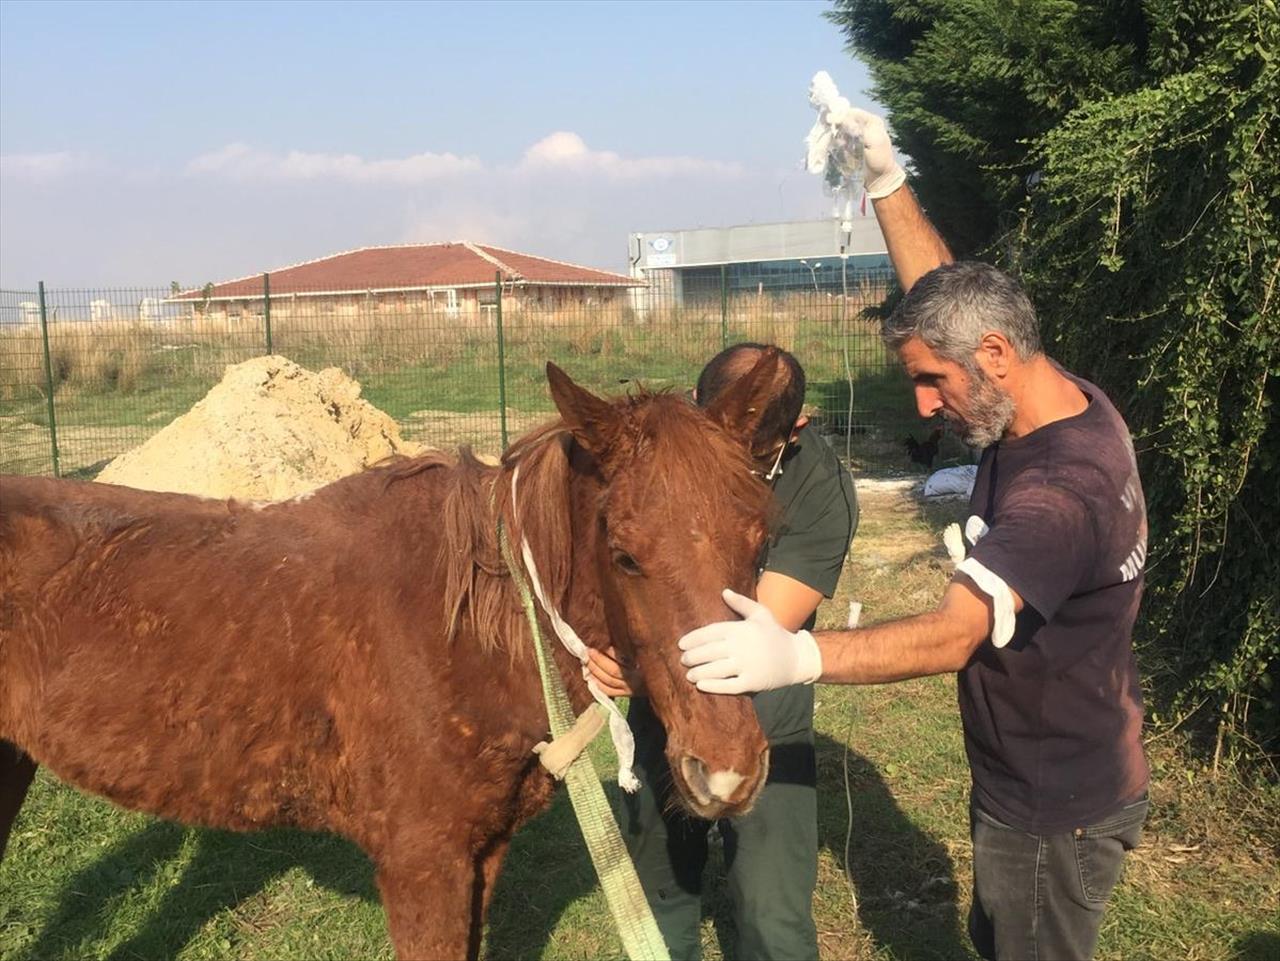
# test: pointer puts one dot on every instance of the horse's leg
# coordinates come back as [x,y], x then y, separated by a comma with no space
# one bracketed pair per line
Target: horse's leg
[428,899]
[17,768]
[488,866]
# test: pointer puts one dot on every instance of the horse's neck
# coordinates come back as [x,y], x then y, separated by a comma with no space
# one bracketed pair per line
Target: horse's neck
[553,493]
[583,607]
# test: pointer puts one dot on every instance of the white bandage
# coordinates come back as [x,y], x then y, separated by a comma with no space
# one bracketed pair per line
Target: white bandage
[1001,597]
[855,614]
[953,541]
[975,528]
[624,743]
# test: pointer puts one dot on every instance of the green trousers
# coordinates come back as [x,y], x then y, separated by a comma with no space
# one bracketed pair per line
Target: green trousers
[771,854]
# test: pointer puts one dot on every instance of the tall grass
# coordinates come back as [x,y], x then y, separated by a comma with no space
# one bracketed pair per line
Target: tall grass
[120,356]
[123,380]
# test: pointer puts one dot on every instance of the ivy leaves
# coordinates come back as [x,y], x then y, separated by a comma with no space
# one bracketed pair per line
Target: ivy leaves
[1151,246]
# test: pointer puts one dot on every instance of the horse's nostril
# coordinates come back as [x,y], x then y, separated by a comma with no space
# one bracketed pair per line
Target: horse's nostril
[695,776]
[707,785]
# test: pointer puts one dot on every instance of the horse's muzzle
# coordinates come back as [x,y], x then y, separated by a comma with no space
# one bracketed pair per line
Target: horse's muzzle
[713,794]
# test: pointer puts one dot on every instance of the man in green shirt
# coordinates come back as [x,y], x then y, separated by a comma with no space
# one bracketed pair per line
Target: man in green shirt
[771,854]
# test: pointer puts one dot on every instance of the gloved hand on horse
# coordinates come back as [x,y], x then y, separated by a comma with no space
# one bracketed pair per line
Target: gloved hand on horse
[753,654]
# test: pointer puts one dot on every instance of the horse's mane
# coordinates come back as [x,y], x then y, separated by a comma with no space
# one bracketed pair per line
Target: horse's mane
[478,591]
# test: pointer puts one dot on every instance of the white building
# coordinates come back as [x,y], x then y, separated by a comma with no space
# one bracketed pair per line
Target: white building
[689,266]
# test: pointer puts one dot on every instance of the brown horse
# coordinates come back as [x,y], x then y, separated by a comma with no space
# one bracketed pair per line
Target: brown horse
[357,660]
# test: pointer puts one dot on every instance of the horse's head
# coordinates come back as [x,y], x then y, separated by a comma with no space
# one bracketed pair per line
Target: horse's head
[678,515]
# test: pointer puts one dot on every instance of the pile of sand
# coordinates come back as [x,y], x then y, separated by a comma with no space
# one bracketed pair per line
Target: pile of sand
[269,431]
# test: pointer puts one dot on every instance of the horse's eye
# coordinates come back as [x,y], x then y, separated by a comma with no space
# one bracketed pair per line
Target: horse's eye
[626,563]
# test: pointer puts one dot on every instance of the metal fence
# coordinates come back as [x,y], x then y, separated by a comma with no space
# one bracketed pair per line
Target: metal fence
[88,374]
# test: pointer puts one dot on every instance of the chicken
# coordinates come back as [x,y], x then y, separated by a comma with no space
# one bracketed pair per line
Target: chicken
[923,452]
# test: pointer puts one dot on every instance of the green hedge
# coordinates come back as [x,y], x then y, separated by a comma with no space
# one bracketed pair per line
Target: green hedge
[1122,158]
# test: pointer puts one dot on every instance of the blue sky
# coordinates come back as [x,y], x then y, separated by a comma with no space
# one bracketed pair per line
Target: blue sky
[149,142]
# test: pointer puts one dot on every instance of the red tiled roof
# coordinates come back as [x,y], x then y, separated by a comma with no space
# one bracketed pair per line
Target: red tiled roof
[416,265]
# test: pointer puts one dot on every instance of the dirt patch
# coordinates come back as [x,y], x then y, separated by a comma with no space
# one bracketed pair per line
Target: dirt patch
[270,430]
[24,447]
[481,430]
[897,565]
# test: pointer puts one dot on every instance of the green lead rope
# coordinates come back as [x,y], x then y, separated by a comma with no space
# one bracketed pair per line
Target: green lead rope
[641,938]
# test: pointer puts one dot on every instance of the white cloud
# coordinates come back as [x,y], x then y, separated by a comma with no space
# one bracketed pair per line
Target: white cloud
[562,151]
[468,220]
[239,161]
[40,167]
[565,150]
[559,198]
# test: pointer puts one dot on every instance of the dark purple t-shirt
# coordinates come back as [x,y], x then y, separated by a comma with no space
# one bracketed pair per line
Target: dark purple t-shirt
[1053,721]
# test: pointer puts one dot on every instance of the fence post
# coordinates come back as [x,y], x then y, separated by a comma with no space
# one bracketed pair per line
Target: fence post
[502,361]
[48,382]
[724,307]
[266,309]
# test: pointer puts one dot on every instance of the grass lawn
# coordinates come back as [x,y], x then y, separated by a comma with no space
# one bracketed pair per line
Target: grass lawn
[85,880]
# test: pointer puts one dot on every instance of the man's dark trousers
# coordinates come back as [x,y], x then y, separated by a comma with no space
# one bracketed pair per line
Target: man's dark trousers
[770,854]
[1041,897]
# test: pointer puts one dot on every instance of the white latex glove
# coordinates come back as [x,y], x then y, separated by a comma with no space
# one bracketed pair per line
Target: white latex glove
[882,174]
[953,541]
[754,654]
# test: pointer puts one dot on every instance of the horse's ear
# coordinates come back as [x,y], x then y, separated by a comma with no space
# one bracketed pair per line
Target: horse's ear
[592,421]
[742,406]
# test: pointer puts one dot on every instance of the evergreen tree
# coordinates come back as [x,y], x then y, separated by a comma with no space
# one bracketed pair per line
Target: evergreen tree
[1122,158]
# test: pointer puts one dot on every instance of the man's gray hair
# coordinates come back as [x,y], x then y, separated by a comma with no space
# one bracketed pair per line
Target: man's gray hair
[952,306]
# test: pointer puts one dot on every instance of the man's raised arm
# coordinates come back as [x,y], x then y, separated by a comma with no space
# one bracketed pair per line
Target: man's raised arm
[914,246]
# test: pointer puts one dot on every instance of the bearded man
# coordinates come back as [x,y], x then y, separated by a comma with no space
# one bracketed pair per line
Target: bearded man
[1036,622]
